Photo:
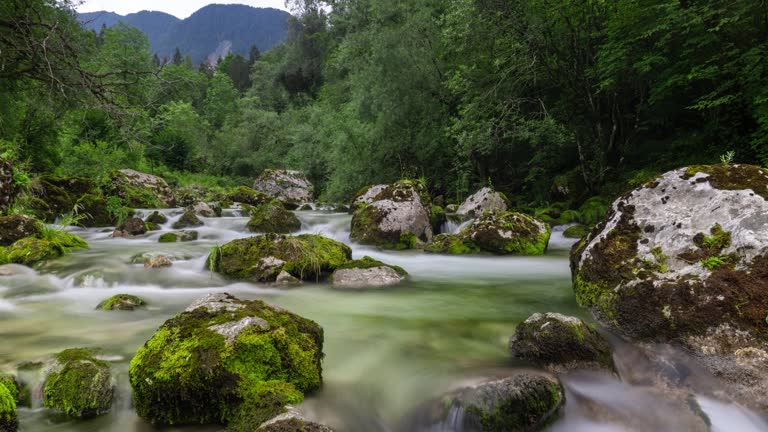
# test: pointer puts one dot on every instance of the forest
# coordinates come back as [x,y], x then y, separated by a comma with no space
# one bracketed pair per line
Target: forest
[549,101]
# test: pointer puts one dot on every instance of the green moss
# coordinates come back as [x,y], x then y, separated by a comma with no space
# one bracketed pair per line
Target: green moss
[576,231]
[714,262]
[156,218]
[121,302]
[188,219]
[732,177]
[593,295]
[80,385]
[509,233]
[525,412]
[306,257]
[439,217]
[168,238]
[187,373]
[272,217]
[246,195]
[454,244]
[367,262]
[95,211]
[152,226]
[8,420]
[31,250]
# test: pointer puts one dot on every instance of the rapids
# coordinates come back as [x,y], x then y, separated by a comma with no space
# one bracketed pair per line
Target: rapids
[386,350]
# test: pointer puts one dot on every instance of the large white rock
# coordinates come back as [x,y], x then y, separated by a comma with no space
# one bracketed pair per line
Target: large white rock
[484,200]
[292,188]
[364,278]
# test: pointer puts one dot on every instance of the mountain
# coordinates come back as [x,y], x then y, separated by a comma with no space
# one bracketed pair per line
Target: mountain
[211,31]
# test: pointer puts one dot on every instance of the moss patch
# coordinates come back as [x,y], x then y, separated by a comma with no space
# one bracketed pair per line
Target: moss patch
[32,250]
[272,217]
[454,244]
[121,302]
[79,385]
[187,373]
[188,219]
[246,195]
[732,177]
[576,231]
[9,396]
[509,233]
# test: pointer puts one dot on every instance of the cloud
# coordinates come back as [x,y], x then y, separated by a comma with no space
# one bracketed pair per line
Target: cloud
[178,8]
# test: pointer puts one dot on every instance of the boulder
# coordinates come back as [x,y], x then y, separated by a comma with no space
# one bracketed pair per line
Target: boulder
[95,211]
[131,227]
[560,343]
[158,261]
[292,188]
[32,250]
[523,402]
[506,233]
[484,200]
[188,195]
[200,208]
[263,257]
[178,236]
[684,258]
[156,218]
[272,217]
[366,195]
[285,278]
[292,420]
[141,190]
[225,360]
[188,219]
[16,227]
[53,196]
[124,302]
[398,217]
[78,384]
[452,244]
[9,398]
[246,195]
[366,273]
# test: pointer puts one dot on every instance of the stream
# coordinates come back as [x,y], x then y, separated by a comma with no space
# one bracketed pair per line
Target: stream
[386,350]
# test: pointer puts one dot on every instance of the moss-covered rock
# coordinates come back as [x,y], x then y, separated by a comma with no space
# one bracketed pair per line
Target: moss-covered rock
[684,259]
[398,217]
[140,190]
[32,250]
[179,236]
[204,209]
[246,195]
[54,196]
[9,394]
[225,360]
[523,402]
[292,188]
[16,227]
[187,220]
[453,244]
[156,218]
[439,217]
[576,232]
[262,258]
[367,272]
[122,302]
[130,228]
[272,217]
[95,212]
[560,343]
[509,233]
[78,384]
[482,201]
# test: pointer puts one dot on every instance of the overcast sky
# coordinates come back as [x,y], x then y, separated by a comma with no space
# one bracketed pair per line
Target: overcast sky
[179,8]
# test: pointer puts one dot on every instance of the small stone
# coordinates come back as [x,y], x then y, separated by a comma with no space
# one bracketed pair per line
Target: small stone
[124,302]
[130,228]
[188,219]
[158,262]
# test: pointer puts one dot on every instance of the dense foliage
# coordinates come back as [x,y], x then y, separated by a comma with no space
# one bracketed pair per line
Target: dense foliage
[546,100]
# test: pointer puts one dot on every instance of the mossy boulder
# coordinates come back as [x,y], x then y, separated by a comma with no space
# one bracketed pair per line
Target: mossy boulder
[187,220]
[482,201]
[78,384]
[560,343]
[398,217]
[684,259]
[263,257]
[189,194]
[246,195]
[272,217]
[130,228]
[179,236]
[95,212]
[509,233]
[452,244]
[229,361]
[124,302]
[156,218]
[292,188]
[16,227]
[576,232]
[53,196]
[33,250]
[9,398]
[203,209]
[367,195]
[140,190]
[523,402]
[367,273]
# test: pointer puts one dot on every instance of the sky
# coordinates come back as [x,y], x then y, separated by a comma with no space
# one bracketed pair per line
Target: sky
[178,8]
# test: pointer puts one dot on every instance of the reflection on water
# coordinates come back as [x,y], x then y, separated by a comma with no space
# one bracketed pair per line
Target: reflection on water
[386,350]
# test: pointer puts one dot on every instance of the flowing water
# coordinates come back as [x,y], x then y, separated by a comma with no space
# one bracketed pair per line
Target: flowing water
[386,350]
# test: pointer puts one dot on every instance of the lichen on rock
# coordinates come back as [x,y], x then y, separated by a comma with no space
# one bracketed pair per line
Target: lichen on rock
[225,360]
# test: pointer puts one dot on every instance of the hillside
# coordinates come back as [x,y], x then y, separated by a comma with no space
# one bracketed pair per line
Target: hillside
[214,28]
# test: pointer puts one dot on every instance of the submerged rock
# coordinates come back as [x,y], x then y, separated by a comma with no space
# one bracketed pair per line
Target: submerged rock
[124,302]
[16,227]
[130,228]
[78,384]
[141,190]
[9,398]
[178,236]
[292,188]
[264,257]
[560,343]
[292,420]
[367,272]
[188,219]
[398,217]
[484,200]
[272,217]
[685,259]
[523,402]
[225,360]
[158,261]
[246,195]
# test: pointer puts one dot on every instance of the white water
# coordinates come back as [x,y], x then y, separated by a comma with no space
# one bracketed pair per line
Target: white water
[386,350]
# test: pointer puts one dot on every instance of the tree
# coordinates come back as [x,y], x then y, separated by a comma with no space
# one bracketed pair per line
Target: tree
[178,59]
[253,55]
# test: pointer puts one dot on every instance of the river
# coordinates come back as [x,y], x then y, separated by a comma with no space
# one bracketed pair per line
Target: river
[386,350]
